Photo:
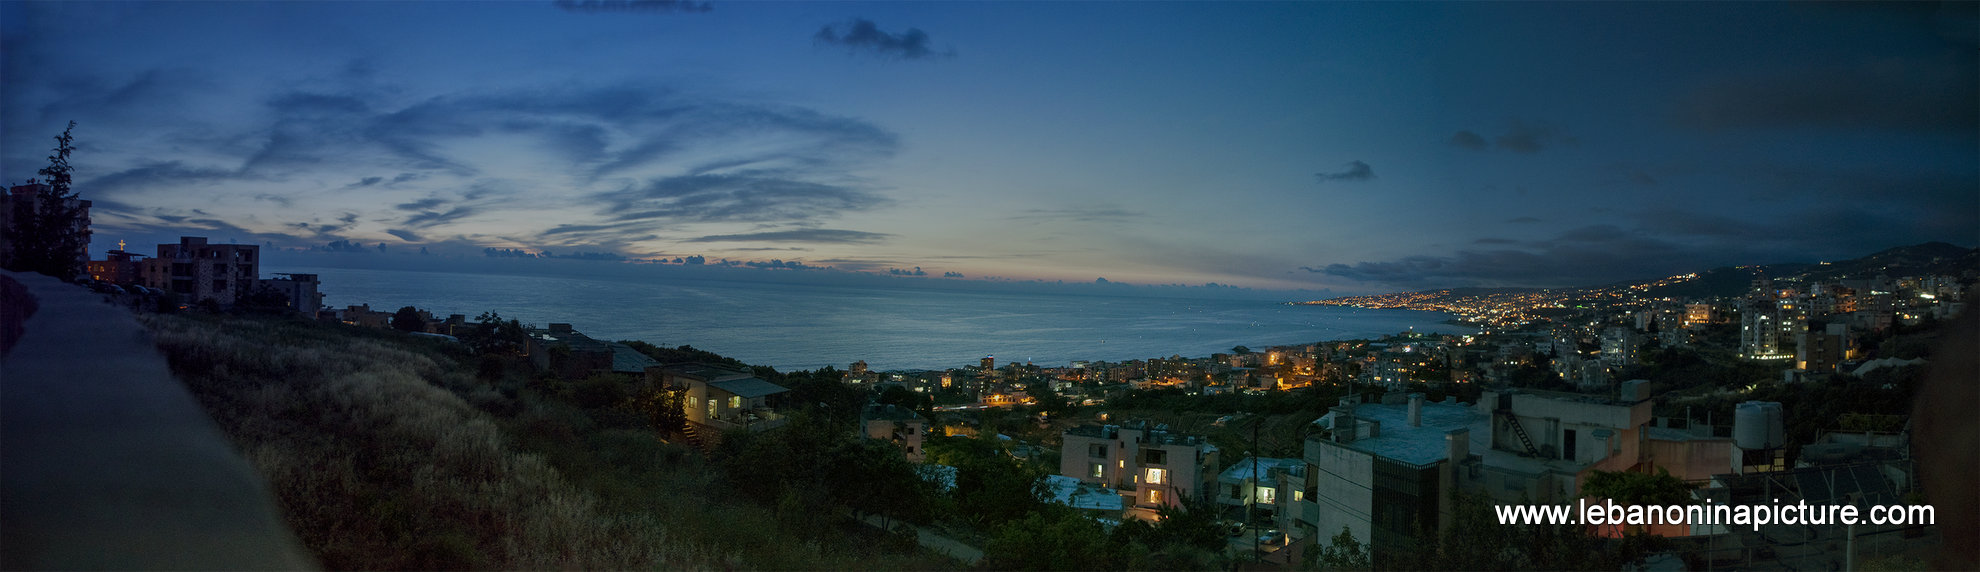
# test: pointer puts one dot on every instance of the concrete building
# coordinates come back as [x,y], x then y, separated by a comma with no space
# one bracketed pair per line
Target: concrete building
[198,271]
[299,291]
[1382,471]
[547,351]
[720,399]
[1819,348]
[1269,487]
[117,267]
[897,425]
[1153,468]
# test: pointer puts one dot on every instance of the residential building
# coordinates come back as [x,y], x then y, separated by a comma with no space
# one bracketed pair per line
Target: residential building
[117,267]
[1153,468]
[1382,471]
[1269,487]
[720,398]
[573,355]
[897,425]
[198,271]
[299,291]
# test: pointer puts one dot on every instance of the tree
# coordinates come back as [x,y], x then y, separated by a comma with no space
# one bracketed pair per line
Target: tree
[1345,553]
[407,320]
[50,234]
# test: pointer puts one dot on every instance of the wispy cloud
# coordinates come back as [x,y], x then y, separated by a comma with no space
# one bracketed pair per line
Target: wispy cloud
[861,34]
[1353,171]
[814,235]
[1519,136]
[735,198]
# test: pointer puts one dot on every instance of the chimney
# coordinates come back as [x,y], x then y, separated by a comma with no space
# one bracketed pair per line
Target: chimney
[1415,410]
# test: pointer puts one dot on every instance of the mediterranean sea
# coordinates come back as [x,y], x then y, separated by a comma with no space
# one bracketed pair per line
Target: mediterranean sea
[792,327]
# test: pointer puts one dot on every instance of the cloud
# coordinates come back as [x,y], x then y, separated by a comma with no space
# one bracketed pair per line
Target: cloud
[633,6]
[819,235]
[422,204]
[1929,94]
[952,275]
[1089,214]
[1495,241]
[406,235]
[1579,257]
[434,218]
[735,198]
[1469,140]
[165,174]
[862,34]
[899,272]
[1518,137]
[1355,171]
[1523,220]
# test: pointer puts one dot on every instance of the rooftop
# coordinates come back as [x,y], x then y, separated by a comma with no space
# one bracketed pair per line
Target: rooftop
[1242,470]
[748,387]
[1071,492]
[1421,445]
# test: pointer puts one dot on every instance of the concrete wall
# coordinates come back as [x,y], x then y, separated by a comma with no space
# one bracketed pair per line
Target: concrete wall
[110,463]
[1343,490]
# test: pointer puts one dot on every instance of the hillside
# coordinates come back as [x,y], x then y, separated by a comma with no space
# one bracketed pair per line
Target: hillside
[387,451]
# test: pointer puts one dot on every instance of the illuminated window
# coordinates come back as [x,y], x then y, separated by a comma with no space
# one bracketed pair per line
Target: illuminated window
[735,402]
[1157,476]
[1298,495]
[1099,470]
[1268,495]
[1155,496]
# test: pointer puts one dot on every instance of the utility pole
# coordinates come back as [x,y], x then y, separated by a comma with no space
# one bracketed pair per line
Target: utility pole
[1251,503]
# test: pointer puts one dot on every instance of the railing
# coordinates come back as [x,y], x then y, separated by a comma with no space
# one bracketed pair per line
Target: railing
[750,420]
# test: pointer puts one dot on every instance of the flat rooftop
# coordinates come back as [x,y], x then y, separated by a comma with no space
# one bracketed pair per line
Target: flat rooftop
[1419,445]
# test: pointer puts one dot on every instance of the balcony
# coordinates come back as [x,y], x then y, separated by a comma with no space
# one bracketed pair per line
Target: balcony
[760,419]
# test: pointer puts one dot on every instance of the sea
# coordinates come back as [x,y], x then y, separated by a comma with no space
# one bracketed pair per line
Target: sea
[793,327]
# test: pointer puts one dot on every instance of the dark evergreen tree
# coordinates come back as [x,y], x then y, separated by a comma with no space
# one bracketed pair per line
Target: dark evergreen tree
[407,320]
[50,234]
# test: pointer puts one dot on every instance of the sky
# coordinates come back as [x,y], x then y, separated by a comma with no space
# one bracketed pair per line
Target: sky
[1344,148]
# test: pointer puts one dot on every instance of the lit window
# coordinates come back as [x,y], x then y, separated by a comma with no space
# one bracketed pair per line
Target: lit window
[1267,495]
[1099,470]
[1155,496]
[1299,495]
[1157,476]
[735,402]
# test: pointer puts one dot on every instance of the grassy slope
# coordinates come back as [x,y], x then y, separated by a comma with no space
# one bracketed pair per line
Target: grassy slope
[380,461]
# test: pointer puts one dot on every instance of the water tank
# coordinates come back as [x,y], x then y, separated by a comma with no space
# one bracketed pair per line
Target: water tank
[1758,425]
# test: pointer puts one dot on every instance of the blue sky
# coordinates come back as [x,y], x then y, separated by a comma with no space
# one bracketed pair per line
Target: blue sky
[1343,147]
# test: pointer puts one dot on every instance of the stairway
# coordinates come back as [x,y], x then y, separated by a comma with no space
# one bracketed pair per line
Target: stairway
[1523,438]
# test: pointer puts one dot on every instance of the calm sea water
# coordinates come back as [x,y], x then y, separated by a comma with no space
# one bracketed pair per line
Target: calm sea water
[807,327]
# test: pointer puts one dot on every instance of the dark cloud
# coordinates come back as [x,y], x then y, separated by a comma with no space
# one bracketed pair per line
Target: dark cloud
[735,198]
[1469,140]
[1919,94]
[1093,214]
[861,34]
[814,235]
[422,204]
[633,6]
[1519,137]
[166,174]
[1495,241]
[952,275]
[899,272]
[1353,171]
[406,235]
[1579,257]
[434,218]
